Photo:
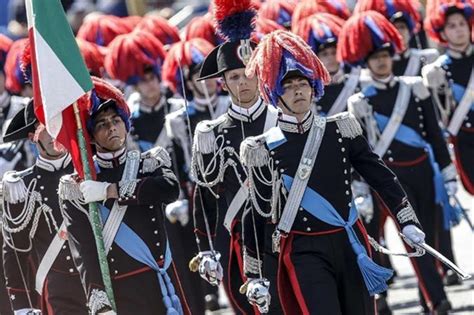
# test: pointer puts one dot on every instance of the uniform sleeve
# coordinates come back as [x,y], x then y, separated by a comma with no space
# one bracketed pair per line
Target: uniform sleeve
[434,134]
[13,262]
[382,180]
[160,187]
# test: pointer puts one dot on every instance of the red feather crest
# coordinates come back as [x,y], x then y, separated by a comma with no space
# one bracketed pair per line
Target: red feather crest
[102,29]
[161,28]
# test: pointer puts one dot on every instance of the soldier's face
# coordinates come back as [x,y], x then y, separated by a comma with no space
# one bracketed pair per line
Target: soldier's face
[298,94]
[380,64]
[243,90]
[48,147]
[200,87]
[404,31]
[109,132]
[149,86]
[456,30]
[328,58]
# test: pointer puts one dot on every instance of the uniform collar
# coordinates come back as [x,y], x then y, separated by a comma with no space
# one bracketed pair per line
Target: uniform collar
[111,159]
[157,107]
[338,77]
[384,84]
[290,124]
[202,104]
[247,114]
[459,55]
[53,165]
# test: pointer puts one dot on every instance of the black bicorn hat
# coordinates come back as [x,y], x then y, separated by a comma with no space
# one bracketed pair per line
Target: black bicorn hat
[225,57]
[21,124]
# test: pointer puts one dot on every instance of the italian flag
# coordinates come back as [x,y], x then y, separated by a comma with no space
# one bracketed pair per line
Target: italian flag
[59,74]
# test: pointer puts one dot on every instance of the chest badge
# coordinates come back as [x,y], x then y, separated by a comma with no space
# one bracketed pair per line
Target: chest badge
[304,170]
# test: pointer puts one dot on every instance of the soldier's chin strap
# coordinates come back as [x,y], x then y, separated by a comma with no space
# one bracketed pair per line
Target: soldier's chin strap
[47,153]
[286,105]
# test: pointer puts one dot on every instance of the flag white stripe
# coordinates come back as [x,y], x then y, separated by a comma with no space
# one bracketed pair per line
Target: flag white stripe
[58,87]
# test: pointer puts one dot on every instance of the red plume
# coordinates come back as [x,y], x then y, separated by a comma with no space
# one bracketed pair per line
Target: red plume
[356,40]
[102,29]
[93,56]
[202,27]
[180,54]
[161,28]
[130,54]
[266,60]
[271,9]
[14,76]
[409,7]
[306,8]
[314,23]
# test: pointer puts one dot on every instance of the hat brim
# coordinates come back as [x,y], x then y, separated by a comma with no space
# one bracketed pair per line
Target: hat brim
[209,68]
[19,127]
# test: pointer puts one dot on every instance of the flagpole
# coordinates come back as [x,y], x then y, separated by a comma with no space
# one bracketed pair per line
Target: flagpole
[94,214]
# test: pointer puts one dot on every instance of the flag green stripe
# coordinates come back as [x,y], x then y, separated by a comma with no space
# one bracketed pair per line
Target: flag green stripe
[51,23]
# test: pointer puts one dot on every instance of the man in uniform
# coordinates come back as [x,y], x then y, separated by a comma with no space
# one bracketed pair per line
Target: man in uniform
[33,225]
[183,62]
[451,77]
[309,219]
[131,189]
[320,31]
[219,199]
[405,16]
[136,59]
[399,120]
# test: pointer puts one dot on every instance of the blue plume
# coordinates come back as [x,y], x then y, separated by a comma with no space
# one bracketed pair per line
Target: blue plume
[237,26]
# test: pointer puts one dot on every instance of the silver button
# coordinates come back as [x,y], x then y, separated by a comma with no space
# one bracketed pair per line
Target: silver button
[277,162]
[343,149]
[337,131]
[389,151]
[227,141]
[423,133]
[308,229]
[468,125]
[71,270]
[112,260]
[282,170]
[161,256]
[344,160]
[151,207]
[45,198]
[340,140]
[390,159]
[68,257]
[345,171]
[421,116]
[272,152]
[419,109]
[421,125]
[305,219]
[42,187]
[347,192]
[417,99]
[226,131]
[301,209]
[155,231]
[153,219]
[116,271]
[38,176]
[158,244]
[64,246]
[346,182]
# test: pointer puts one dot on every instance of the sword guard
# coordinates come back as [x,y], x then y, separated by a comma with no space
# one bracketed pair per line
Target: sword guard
[276,240]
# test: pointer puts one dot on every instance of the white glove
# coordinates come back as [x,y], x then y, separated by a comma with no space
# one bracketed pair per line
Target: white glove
[93,190]
[28,311]
[433,75]
[363,200]
[178,211]
[413,234]
[258,293]
[210,269]
[451,187]
[6,165]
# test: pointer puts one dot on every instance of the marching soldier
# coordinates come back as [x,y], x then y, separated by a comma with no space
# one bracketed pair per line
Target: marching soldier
[309,220]
[320,31]
[132,189]
[219,199]
[136,59]
[452,79]
[406,18]
[399,121]
[33,225]
[183,62]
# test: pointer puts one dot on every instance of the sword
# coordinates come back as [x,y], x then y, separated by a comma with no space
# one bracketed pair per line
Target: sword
[433,252]
[464,212]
